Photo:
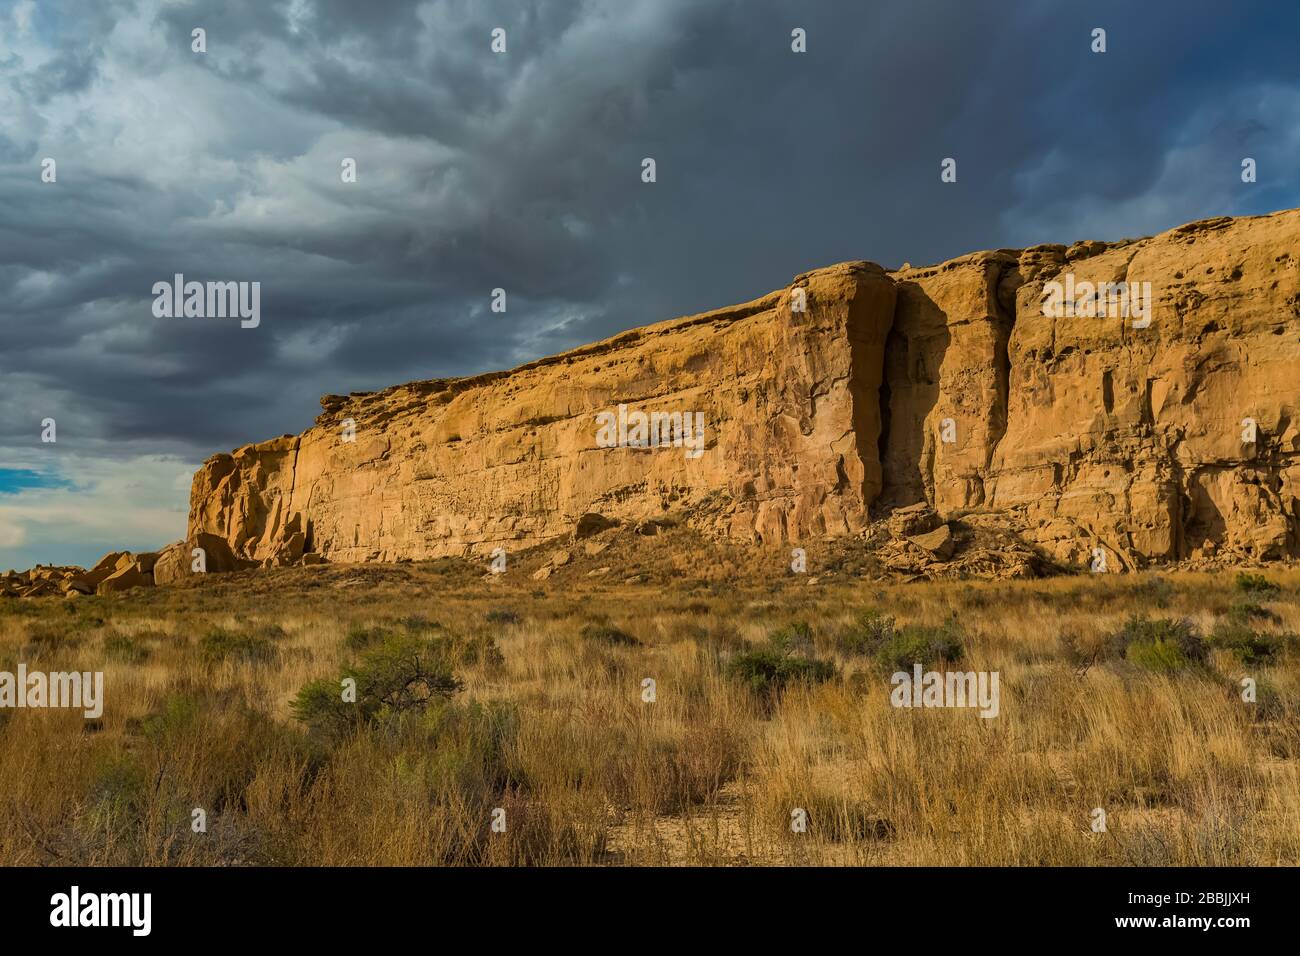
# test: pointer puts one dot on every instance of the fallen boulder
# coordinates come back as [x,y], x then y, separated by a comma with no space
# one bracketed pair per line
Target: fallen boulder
[590,524]
[176,561]
[938,542]
[123,580]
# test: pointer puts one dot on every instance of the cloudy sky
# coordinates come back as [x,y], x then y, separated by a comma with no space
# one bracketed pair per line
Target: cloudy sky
[522,170]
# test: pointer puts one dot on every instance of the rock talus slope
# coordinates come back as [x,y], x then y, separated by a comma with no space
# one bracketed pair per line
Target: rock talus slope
[947,385]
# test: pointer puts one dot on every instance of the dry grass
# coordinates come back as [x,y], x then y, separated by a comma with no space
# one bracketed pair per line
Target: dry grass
[553,729]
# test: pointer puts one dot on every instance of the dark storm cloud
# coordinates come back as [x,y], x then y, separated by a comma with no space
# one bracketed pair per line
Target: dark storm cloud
[523,171]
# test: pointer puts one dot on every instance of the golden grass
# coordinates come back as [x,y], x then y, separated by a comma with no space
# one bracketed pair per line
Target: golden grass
[557,733]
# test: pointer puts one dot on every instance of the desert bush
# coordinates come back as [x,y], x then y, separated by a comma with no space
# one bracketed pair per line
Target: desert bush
[603,632]
[126,648]
[795,637]
[359,637]
[248,647]
[876,635]
[1245,611]
[52,636]
[502,616]
[1160,644]
[180,713]
[1155,589]
[1245,644]
[769,670]
[871,630]
[1255,584]
[919,644]
[469,650]
[419,624]
[403,673]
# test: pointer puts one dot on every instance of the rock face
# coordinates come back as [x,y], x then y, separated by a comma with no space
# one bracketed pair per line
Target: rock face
[1105,432]
[791,423]
[959,386]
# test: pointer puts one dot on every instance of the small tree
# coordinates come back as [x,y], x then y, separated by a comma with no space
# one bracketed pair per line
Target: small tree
[404,673]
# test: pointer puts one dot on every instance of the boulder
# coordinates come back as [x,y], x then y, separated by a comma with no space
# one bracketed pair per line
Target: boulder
[79,582]
[590,524]
[913,520]
[109,561]
[938,542]
[172,564]
[175,562]
[123,580]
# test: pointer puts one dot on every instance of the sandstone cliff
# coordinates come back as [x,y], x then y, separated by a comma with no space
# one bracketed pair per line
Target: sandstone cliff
[947,385]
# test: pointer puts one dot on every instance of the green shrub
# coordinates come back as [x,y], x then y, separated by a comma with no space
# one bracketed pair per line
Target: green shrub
[605,633]
[1255,584]
[403,674]
[1245,644]
[51,636]
[242,646]
[359,637]
[181,713]
[876,635]
[1157,590]
[919,644]
[1162,644]
[1246,611]
[769,670]
[871,630]
[418,624]
[320,705]
[1158,655]
[471,650]
[126,648]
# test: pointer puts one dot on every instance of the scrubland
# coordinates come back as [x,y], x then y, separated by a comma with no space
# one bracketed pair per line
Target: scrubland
[500,698]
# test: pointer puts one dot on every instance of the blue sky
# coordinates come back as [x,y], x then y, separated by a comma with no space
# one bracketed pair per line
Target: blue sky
[16,480]
[522,171]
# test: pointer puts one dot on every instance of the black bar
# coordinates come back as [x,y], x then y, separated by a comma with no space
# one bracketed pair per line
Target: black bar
[621,906]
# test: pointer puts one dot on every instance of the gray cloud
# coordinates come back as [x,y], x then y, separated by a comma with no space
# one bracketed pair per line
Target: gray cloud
[522,171]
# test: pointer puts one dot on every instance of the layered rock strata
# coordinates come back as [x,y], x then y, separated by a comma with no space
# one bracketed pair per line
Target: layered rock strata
[852,389]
